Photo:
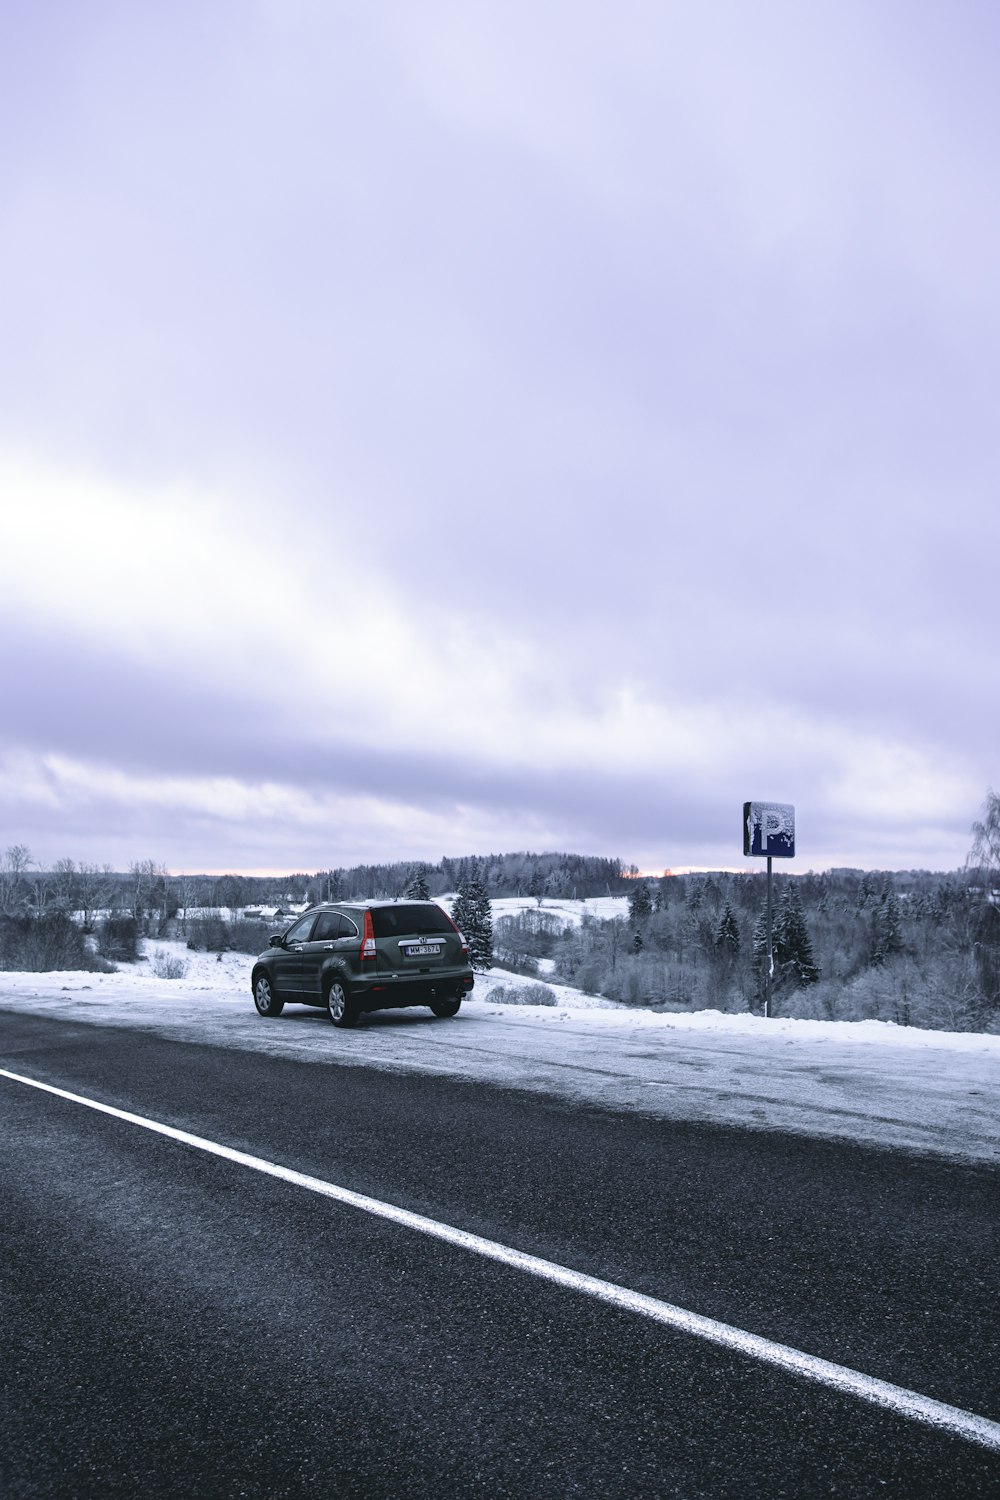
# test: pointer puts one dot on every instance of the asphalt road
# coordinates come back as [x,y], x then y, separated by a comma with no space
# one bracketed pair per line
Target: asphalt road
[175,1324]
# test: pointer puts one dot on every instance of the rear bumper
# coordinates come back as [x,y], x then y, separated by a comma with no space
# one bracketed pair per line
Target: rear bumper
[389,991]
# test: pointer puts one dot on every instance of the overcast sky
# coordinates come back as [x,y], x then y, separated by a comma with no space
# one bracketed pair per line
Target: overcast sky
[439,427]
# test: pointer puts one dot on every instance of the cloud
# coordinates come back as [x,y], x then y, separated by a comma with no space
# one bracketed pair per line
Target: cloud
[502,422]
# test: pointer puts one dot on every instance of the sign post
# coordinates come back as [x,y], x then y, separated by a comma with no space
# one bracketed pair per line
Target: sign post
[769,830]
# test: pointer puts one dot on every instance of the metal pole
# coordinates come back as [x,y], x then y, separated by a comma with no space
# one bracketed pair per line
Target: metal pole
[769,975]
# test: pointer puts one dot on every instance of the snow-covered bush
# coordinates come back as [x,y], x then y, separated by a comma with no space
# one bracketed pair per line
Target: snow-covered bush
[37,944]
[522,994]
[210,934]
[165,966]
[938,992]
[118,939]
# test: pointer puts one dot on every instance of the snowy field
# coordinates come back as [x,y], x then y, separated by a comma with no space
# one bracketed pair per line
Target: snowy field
[867,1081]
[567,910]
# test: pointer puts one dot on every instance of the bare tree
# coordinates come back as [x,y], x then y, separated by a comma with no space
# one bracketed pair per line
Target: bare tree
[230,891]
[94,886]
[984,856]
[63,884]
[147,887]
[14,868]
[184,890]
[616,942]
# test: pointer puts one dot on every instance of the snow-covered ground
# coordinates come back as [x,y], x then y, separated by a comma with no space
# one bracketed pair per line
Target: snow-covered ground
[566,909]
[865,1081]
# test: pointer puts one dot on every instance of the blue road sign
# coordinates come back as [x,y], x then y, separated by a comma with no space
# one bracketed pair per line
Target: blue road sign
[769,829]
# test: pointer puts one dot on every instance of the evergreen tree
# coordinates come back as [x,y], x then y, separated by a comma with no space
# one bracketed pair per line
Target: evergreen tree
[887,937]
[637,942]
[866,893]
[473,917]
[418,890]
[640,903]
[793,955]
[727,937]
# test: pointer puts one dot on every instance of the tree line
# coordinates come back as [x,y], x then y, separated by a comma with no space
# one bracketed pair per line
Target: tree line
[146,890]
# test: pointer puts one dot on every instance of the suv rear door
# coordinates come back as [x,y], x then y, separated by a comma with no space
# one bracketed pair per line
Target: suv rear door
[331,928]
[415,938]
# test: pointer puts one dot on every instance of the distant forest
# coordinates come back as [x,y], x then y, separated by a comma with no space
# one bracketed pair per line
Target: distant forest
[146,888]
[913,947]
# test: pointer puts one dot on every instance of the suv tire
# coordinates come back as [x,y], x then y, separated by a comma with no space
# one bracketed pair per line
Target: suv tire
[264,997]
[339,1006]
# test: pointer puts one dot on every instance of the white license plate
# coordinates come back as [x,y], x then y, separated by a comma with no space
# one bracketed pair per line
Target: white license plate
[422,950]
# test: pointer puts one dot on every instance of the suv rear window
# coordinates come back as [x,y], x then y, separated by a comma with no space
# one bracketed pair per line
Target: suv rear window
[394,921]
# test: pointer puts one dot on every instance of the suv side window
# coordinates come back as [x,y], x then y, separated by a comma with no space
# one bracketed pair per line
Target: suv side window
[329,924]
[300,932]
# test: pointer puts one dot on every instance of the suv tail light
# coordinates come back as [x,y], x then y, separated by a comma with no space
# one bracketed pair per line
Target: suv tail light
[368,942]
[465,946]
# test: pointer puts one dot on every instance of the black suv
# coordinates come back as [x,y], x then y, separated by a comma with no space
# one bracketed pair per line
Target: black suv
[365,955]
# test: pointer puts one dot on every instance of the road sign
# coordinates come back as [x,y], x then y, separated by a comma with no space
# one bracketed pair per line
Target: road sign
[769,832]
[769,829]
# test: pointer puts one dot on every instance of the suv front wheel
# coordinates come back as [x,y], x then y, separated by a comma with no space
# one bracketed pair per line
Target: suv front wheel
[339,1006]
[265,999]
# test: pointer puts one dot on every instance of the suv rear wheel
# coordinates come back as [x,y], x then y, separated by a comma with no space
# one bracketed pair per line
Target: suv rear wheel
[265,999]
[339,1006]
[445,1008]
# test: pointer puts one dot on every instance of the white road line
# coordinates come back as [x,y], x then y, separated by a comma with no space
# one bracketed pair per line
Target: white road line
[937,1414]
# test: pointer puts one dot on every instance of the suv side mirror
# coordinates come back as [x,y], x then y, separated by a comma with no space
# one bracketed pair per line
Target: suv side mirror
[275,940]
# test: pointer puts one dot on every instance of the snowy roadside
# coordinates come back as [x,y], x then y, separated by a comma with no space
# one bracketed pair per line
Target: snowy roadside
[866,1081]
